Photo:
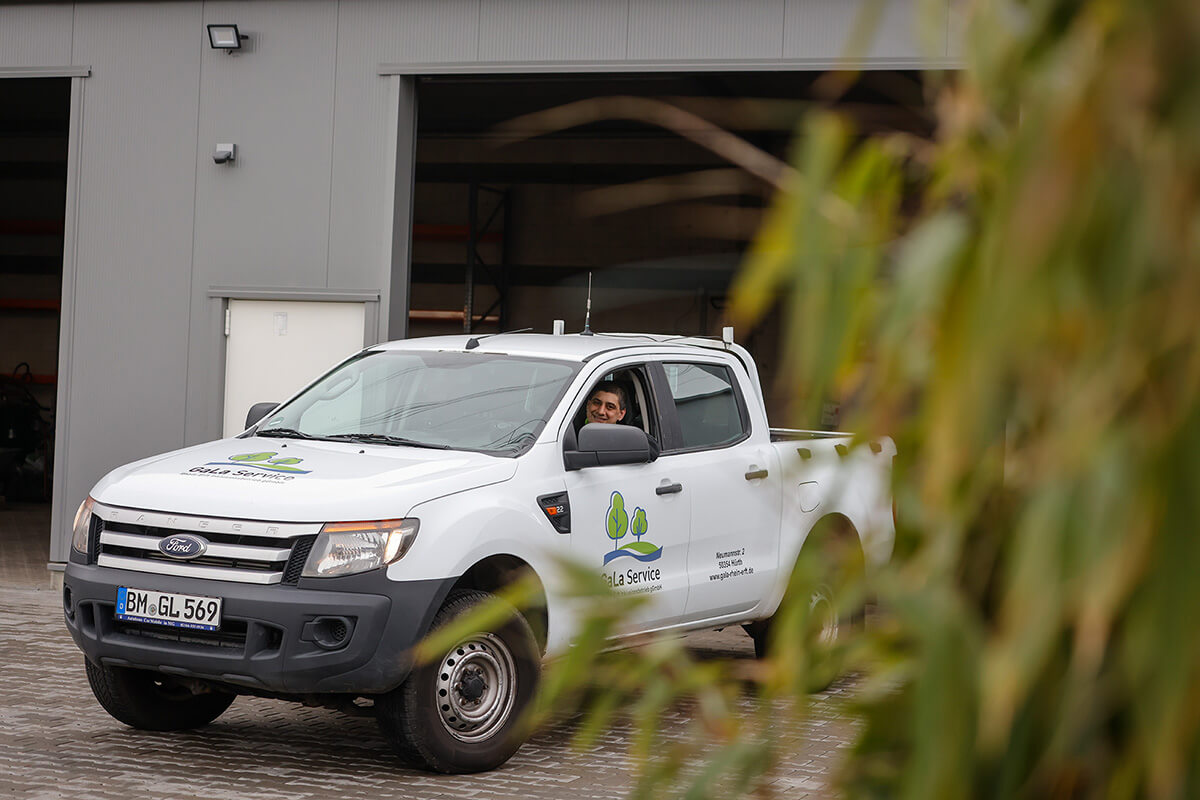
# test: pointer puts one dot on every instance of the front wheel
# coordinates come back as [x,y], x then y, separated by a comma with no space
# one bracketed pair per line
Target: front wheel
[462,712]
[153,702]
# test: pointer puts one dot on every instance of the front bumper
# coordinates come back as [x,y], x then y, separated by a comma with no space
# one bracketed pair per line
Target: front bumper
[266,640]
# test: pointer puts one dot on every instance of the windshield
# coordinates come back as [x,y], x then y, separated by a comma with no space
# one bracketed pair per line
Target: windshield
[463,401]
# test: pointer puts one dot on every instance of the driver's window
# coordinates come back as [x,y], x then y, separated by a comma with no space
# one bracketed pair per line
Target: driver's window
[620,397]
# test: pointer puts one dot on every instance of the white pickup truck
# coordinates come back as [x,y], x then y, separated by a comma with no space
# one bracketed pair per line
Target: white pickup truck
[304,558]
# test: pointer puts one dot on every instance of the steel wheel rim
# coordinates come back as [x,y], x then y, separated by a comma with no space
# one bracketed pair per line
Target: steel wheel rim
[821,606]
[481,659]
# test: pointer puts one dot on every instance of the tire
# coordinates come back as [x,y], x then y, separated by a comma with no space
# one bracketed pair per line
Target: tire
[463,712]
[152,702]
[830,626]
[829,573]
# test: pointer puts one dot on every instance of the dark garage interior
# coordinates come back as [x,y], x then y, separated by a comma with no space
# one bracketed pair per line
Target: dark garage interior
[34,117]
[510,228]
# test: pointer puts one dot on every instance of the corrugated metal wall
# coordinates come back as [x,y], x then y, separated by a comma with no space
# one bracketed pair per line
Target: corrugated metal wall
[125,385]
[308,203]
[263,220]
[36,35]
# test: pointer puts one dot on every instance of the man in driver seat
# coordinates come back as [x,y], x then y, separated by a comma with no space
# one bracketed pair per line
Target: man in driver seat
[607,403]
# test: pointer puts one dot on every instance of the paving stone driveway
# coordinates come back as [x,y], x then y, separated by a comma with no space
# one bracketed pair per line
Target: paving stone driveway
[56,742]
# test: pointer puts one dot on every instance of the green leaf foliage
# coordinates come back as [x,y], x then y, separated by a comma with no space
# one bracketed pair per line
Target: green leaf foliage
[1027,332]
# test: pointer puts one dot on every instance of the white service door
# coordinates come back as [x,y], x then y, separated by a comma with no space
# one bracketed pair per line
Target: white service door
[275,348]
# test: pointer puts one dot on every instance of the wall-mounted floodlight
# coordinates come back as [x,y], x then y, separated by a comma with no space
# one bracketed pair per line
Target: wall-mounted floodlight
[226,37]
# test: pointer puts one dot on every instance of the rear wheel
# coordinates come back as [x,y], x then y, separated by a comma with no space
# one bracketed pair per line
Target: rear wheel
[462,711]
[824,603]
[153,702]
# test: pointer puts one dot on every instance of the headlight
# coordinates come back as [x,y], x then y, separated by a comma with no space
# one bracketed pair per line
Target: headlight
[82,524]
[345,548]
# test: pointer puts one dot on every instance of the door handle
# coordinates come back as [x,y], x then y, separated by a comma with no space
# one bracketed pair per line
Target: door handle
[670,488]
[755,474]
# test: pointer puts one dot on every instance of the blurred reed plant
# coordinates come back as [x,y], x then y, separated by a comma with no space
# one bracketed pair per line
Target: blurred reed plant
[1026,325]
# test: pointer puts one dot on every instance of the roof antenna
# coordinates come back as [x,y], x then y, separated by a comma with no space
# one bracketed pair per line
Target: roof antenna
[473,342]
[587,318]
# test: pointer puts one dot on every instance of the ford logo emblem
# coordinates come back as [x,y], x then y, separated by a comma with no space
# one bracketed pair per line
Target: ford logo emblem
[183,545]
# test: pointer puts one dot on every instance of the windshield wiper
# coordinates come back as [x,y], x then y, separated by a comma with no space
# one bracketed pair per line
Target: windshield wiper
[383,438]
[285,433]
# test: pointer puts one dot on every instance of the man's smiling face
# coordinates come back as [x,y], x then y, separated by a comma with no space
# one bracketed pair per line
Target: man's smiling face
[605,407]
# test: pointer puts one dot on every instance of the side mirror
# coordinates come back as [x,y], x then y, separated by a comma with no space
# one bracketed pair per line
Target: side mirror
[258,411]
[601,445]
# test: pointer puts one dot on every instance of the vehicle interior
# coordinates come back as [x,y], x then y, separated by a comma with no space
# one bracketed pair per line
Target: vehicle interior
[640,405]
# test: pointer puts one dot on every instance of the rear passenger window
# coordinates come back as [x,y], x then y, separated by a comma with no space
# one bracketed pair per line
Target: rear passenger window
[706,403]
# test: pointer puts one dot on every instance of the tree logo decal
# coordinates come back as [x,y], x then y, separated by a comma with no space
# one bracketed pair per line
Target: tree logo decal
[264,461]
[617,525]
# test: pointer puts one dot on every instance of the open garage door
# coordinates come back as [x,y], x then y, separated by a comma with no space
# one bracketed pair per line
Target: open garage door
[506,232]
[34,121]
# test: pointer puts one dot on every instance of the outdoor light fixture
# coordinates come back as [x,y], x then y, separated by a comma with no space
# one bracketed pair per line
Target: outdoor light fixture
[226,37]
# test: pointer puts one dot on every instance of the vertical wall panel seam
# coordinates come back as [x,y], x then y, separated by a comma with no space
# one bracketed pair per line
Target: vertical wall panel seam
[187,363]
[337,23]
[946,41]
[478,26]
[628,17]
[783,29]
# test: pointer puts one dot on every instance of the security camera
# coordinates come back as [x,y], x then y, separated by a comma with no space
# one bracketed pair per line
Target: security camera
[225,153]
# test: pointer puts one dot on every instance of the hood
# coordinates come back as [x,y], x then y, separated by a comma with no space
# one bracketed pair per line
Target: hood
[292,480]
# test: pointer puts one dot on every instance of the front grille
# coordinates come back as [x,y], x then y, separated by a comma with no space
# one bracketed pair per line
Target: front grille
[245,551]
[214,537]
[231,636]
[248,637]
[259,565]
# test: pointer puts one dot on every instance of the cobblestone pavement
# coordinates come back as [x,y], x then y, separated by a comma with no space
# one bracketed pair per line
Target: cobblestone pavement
[56,742]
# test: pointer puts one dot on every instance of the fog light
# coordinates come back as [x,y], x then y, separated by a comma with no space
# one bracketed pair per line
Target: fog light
[328,633]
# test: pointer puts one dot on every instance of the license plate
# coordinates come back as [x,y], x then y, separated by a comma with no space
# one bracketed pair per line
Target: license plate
[173,610]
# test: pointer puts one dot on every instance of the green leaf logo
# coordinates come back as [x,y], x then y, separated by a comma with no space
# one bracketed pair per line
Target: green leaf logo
[252,457]
[617,522]
[639,525]
[266,461]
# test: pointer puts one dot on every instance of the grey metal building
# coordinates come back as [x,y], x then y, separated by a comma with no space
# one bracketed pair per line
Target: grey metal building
[365,165]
